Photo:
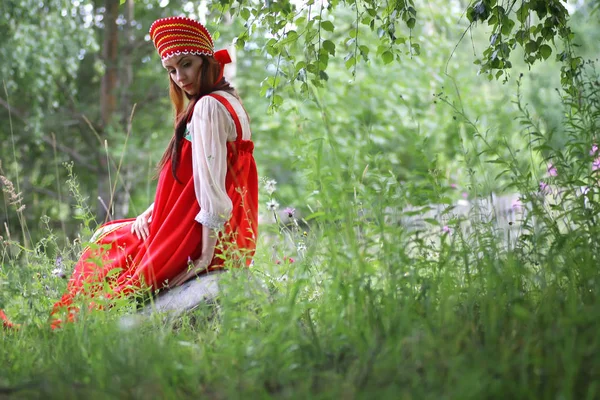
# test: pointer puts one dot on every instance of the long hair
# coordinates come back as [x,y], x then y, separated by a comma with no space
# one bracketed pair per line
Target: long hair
[209,71]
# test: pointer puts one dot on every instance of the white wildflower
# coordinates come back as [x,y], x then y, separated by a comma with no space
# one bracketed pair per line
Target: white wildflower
[272,205]
[270,186]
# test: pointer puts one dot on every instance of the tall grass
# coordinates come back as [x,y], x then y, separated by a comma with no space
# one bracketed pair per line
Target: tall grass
[366,308]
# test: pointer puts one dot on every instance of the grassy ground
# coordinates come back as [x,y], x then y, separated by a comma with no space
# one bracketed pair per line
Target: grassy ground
[366,310]
[354,317]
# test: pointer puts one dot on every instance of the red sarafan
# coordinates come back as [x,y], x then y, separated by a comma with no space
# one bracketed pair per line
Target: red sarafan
[6,323]
[125,262]
[205,211]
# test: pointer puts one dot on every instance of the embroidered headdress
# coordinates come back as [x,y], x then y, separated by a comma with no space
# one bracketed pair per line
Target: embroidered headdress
[174,36]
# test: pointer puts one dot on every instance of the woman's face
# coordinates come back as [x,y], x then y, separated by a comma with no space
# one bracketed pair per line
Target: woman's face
[184,71]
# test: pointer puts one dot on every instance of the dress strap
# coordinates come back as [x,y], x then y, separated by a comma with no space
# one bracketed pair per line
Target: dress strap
[229,107]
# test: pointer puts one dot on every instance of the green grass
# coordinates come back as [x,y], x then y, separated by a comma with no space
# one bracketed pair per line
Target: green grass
[367,310]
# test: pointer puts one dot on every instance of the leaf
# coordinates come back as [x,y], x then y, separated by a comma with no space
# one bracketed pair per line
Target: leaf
[245,14]
[545,51]
[290,37]
[531,46]
[351,61]
[507,25]
[387,57]
[417,48]
[411,23]
[523,12]
[277,100]
[328,26]
[329,46]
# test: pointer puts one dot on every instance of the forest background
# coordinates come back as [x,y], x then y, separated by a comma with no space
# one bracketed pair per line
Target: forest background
[357,108]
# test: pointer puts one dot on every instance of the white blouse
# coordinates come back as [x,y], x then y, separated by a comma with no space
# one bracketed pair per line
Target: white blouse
[210,128]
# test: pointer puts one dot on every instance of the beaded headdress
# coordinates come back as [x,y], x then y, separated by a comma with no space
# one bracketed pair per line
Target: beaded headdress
[175,36]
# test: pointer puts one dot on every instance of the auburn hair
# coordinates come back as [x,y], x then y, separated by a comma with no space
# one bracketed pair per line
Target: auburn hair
[209,72]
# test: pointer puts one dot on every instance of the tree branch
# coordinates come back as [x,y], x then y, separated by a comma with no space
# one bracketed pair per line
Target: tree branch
[84,161]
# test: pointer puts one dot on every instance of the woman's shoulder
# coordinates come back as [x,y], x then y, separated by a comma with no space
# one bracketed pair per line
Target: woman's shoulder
[233,100]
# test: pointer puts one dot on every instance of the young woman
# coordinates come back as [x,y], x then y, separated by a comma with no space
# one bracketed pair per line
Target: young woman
[206,207]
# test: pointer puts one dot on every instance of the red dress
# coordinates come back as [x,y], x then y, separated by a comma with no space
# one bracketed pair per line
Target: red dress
[119,259]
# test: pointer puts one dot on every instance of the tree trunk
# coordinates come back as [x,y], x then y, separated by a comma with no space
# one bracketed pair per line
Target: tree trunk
[122,196]
[108,101]
[110,48]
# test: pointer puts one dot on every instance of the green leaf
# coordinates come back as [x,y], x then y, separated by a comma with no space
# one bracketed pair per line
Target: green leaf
[411,23]
[545,51]
[416,48]
[245,14]
[277,100]
[328,26]
[531,46]
[523,13]
[329,46]
[387,57]
[290,37]
[507,25]
[350,62]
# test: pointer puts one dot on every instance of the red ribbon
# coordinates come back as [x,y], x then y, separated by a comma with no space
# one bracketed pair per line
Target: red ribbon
[222,57]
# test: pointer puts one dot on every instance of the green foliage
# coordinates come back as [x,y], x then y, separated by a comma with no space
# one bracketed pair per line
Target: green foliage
[368,307]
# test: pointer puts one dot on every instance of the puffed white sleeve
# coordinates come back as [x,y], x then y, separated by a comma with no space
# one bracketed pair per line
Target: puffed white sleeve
[210,127]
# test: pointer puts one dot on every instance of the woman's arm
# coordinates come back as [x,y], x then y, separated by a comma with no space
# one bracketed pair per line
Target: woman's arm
[211,128]
[209,241]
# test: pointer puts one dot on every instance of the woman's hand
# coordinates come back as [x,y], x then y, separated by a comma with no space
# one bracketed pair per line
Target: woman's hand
[199,265]
[141,225]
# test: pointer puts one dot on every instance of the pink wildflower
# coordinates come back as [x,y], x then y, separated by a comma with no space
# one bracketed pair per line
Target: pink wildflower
[447,230]
[453,185]
[594,149]
[596,164]
[552,170]
[465,195]
[287,260]
[544,188]
[289,211]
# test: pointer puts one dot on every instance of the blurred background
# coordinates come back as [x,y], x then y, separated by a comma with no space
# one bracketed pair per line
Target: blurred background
[83,90]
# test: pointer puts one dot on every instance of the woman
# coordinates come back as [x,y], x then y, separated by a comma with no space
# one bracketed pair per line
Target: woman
[206,204]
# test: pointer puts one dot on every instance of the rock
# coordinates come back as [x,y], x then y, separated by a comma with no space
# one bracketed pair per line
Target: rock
[177,301]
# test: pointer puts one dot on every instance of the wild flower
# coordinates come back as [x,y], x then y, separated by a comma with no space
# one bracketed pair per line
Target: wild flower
[465,195]
[446,230]
[544,188]
[287,260]
[270,186]
[272,205]
[453,185]
[552,170]
[14,198]
[289,211]
[59,271]
[596,164]
[594,149]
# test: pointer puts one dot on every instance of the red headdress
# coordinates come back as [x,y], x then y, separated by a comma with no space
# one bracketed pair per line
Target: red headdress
[174,36]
